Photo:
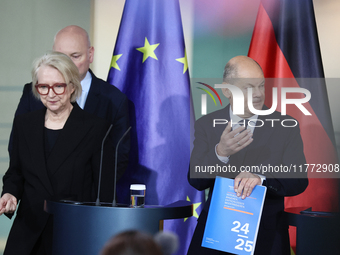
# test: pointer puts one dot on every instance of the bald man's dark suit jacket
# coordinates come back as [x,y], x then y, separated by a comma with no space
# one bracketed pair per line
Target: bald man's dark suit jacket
[271,145]
[70,172]
[104,101]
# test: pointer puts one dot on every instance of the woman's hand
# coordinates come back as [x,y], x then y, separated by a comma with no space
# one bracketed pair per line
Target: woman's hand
[8,203]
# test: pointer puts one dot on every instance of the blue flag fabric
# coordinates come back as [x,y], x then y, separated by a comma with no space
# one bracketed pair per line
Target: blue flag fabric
[149,65]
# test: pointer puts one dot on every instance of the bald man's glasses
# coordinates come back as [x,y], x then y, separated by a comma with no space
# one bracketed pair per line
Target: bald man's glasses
[44,89]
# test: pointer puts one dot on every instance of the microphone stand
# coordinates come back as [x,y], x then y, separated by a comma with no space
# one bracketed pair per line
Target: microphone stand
[101,164]
[114,203]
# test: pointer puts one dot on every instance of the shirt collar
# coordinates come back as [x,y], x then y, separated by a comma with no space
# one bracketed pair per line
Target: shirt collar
[86,82]
[235,119]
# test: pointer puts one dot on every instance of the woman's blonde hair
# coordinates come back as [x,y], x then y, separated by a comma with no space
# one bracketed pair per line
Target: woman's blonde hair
[64,65]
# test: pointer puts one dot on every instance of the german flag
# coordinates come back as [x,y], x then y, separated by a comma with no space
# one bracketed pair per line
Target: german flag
[285,44]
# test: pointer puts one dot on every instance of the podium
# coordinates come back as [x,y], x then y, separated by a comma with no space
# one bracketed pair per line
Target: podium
[316,232]
[85,228]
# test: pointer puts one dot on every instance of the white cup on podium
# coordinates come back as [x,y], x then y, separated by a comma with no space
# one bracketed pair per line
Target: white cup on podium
[137,195]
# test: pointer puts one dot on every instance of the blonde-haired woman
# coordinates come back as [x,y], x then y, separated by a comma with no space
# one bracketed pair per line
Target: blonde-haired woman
[56,153]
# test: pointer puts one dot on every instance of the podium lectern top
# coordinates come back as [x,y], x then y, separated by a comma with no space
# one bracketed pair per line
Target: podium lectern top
[83,228]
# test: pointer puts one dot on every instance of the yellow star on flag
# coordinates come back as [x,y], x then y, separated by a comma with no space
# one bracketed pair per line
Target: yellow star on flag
[196,205]
[184,61]
[148,50]
[114,61]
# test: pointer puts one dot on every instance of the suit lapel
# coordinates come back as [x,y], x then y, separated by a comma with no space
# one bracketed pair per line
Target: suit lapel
[93,96]
[74,131]
[261,136]
[218,129]
[34,133]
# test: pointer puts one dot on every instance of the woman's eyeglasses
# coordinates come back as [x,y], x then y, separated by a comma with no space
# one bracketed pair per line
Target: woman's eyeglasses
[44,89]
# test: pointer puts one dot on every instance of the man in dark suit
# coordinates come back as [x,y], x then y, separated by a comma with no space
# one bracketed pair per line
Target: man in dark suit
[262,143]
[98,97]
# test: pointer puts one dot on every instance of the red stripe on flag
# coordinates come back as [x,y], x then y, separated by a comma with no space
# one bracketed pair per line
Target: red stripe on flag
[264,48]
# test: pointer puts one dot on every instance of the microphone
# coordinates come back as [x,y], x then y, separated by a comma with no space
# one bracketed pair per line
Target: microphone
[114,203]
[101,164]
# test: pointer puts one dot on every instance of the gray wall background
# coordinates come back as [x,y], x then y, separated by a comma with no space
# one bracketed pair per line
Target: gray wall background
[27,29]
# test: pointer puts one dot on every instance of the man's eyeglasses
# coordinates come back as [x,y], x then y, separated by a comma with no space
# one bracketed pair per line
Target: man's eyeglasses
[44,89]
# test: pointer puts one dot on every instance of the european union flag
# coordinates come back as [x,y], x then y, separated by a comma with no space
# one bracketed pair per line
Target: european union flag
[149,65]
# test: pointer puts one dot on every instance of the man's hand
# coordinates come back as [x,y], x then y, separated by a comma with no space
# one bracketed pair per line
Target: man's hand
[233,141]
[8,203]
[245,183]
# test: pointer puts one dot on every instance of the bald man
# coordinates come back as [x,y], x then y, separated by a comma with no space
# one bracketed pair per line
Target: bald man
[98,97]
[236,146]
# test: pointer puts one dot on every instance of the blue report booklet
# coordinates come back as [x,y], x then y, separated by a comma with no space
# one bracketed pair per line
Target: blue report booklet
[233,223]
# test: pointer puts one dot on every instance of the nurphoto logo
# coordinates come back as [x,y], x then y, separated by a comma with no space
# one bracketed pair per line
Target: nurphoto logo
[239,101]
[238,98]
[204,97]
